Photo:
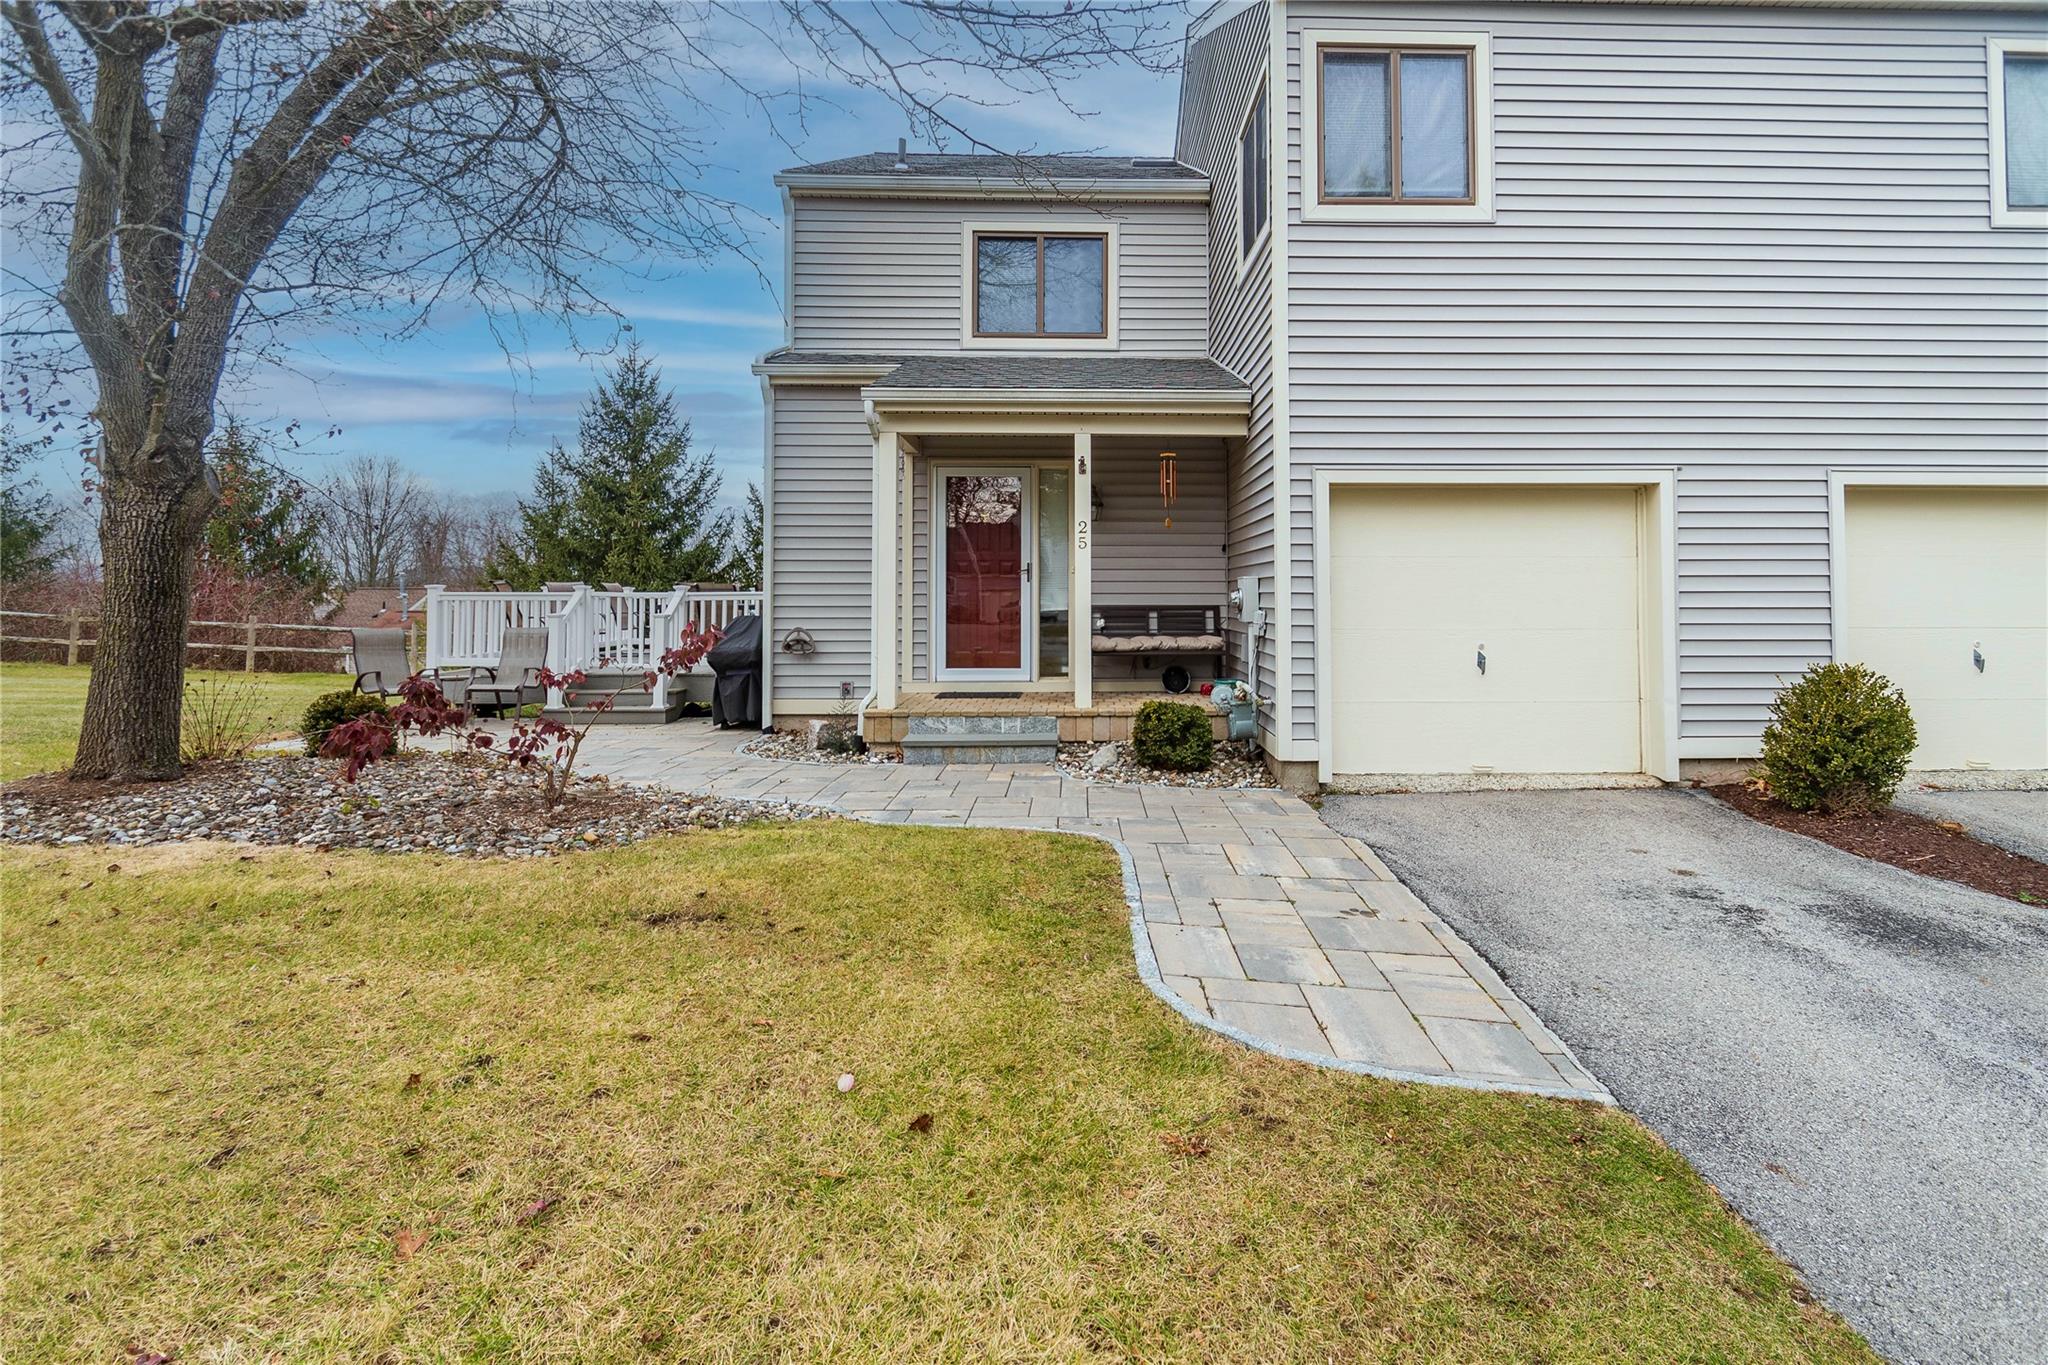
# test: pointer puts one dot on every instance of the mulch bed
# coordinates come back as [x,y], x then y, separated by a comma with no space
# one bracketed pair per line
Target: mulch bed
[418,802]
[1934,848]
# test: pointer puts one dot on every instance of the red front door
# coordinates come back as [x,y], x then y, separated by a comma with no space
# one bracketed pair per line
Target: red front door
[984,572]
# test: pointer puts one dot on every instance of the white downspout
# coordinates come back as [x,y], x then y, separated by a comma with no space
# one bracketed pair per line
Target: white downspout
[867,699]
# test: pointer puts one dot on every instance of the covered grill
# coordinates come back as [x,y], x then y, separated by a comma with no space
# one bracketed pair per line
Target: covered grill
[736,667]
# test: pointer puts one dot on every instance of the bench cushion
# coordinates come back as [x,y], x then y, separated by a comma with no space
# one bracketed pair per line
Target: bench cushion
[1156,644]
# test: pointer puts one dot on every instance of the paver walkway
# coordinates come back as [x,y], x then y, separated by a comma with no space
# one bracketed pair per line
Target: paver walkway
[1250,915]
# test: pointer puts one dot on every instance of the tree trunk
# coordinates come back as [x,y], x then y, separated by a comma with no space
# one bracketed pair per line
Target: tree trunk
[149,540]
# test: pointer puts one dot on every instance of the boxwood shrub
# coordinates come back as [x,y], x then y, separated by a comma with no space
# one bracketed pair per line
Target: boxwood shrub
[1839,739]
[1173,735]
[330,709]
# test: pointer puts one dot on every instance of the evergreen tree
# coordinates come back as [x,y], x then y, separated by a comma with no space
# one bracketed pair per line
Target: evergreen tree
[26,518]
[744,570]
[261,527]
[630,504]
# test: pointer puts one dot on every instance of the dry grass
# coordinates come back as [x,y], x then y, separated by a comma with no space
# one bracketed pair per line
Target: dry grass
[625,1141]
[41,706]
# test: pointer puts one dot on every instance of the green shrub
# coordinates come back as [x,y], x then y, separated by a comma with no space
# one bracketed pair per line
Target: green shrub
[1839,738]
[1174,736]
[330,709]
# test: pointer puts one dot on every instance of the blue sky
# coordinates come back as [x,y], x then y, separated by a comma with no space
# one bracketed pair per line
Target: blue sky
[455,409]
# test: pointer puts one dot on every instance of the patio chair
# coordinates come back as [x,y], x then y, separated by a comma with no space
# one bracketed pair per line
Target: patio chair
[515,682]
[380,661]
[381,664]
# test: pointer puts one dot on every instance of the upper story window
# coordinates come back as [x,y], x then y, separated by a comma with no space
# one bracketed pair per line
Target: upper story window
[2019,132]
[1253,179]
[1042,284]
[1401,126]
[1397,126]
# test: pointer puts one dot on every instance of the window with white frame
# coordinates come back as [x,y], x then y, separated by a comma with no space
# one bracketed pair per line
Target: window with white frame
[1041,284]
[1400,126]
[2018,81]
[1252,176]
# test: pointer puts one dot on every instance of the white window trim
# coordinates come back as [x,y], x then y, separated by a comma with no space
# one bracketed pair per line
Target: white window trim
[1480,210]
[1096,226]
[1995,52]
[1246,254]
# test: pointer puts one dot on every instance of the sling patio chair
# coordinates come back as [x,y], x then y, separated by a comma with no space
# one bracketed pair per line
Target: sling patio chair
[515,682]
[381,664]
[380,661]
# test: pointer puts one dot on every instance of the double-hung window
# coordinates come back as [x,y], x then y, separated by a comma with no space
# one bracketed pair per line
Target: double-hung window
[1252,177]
[2019,131]
[1400,126]
[1041,284]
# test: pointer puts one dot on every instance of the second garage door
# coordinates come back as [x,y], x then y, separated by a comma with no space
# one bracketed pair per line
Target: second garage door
[1938,579]
[1544,582]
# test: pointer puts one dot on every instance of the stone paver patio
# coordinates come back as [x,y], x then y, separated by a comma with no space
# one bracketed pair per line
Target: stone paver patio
[1249,914]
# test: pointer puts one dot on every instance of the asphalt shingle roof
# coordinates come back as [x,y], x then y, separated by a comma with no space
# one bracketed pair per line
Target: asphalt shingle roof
[991,371]
[1019,168]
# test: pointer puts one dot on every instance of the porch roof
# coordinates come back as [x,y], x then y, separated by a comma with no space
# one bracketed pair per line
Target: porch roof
[1001,381]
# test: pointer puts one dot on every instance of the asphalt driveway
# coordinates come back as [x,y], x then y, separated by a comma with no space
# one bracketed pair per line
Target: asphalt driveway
[1855,1055]
[2014,820]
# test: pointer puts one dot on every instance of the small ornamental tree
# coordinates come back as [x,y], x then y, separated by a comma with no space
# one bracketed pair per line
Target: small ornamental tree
[542,745]
[1840,739]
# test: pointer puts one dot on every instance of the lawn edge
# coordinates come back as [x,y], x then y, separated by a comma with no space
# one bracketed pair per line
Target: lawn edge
[1148,972]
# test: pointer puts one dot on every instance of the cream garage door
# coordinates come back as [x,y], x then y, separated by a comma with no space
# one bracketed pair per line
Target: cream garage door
[1544,579]
[1933,576]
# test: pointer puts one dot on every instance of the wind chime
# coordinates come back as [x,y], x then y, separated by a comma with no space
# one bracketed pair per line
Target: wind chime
[1169,482]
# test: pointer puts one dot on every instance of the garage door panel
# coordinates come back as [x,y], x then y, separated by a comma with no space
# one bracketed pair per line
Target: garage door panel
[1930,572]
[1445,523]
[1547,579]
[1557,665]
[1935,664]
[1963,732]
[1917,589]
[1475,593]
[1433,737]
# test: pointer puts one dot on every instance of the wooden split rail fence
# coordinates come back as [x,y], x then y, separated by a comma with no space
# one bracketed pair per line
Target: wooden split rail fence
[246,642]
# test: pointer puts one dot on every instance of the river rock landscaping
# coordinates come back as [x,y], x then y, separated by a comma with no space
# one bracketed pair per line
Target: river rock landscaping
[419,802]
[1233,767]
[790,746]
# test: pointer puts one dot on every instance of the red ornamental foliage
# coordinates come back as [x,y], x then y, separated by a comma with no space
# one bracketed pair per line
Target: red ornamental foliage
[547,746]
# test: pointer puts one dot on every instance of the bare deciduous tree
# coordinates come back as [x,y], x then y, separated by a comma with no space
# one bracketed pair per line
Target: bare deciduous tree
[369,519]
[207,173]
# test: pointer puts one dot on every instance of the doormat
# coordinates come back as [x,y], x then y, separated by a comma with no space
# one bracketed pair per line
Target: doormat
[979,696]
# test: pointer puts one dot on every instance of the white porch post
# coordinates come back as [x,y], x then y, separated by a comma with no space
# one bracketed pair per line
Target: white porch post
[883,653]
[1081,590]
[430,650]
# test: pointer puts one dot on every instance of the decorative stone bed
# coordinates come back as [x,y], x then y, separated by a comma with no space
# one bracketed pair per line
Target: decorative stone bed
[1113,762]
[417,802]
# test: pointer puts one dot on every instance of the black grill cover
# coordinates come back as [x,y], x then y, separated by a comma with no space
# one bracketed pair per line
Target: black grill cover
[736,663]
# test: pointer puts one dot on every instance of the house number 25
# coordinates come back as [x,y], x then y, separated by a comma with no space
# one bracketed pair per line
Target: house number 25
[1081,533]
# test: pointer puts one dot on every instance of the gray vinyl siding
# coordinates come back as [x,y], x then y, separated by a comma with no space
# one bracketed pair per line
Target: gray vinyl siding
[1751,244]
[1138,559]
[1224,68]
[821,548]
[885,274]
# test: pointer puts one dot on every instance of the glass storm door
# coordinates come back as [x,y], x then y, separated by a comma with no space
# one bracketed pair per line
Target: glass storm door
[985,573]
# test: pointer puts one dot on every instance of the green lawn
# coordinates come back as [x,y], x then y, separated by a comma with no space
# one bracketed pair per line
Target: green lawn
[601,1089]
[40,707]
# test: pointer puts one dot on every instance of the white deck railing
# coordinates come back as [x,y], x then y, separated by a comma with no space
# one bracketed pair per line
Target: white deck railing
[587,628]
